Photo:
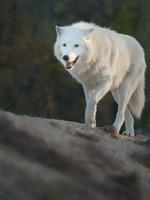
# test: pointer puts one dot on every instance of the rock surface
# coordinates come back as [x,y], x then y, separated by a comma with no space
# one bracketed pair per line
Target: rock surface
[47,159]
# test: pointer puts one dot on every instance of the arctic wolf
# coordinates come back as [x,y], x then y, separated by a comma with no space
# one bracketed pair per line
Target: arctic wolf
[102,60]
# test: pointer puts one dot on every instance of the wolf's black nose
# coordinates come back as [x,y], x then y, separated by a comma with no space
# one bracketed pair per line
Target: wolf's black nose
[66,58]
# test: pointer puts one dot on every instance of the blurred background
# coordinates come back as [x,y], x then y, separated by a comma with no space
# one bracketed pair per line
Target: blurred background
[33,82]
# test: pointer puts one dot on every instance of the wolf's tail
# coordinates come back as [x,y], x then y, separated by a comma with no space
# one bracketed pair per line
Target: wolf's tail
[137,101]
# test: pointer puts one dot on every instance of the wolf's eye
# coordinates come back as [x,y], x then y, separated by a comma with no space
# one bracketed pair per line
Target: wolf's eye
[76,45]
[64,45]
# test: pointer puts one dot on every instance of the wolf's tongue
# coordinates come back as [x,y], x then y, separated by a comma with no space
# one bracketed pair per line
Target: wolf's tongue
[68,65]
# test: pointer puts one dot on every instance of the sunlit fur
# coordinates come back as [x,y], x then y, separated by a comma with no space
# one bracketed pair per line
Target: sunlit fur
[108,61]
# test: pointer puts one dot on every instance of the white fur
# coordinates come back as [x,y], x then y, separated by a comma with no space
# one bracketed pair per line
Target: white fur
[108,61]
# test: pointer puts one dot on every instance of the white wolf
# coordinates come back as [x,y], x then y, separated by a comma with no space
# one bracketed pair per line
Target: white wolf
[103,60]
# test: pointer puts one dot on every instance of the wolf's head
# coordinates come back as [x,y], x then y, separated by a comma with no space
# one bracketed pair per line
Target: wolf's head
[71,46]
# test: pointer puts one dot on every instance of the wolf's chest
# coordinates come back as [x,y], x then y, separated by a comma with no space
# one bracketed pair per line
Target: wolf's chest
[90,81]
[92,76]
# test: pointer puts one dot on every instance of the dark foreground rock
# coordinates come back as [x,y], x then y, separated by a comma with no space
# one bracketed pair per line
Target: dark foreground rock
[45,159]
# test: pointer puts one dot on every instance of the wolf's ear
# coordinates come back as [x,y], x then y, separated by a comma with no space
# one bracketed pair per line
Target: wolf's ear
[87,32]
[59,30]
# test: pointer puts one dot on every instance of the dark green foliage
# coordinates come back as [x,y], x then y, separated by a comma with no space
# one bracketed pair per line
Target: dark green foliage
[31,79]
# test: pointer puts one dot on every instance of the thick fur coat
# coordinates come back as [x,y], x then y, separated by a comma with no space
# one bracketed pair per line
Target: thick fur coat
[103,60]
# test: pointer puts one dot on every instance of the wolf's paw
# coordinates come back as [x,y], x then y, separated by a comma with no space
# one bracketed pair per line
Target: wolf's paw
[93,125]
[113,131]
[128,133]
[90,123]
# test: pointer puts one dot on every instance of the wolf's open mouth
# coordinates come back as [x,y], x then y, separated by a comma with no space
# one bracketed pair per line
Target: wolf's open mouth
[69,65]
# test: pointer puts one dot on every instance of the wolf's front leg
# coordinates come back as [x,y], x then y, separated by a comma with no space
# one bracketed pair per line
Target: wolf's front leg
[100,91]
[90,112]
[86,93]
[90,106]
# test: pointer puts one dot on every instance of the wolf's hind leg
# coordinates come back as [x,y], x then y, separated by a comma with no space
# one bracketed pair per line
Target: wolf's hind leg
[123,97]
[129,123]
